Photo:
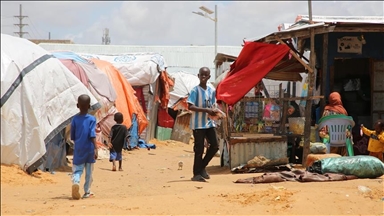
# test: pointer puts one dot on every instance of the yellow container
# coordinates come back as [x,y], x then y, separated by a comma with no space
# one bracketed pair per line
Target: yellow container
[312,138]
[296,125]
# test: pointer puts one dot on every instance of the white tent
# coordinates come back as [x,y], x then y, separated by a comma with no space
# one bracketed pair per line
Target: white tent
[184,83]
[38,99]
[138,68]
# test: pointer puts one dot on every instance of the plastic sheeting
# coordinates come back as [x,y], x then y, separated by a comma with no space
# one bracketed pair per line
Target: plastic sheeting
[98,82]
[255,61]
[126,101]
[133,139]
[139,69]
[38,99]
[362,166]
[56,153]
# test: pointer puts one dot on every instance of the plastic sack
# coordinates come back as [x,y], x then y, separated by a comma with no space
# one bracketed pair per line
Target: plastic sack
[318,148]
[362,166]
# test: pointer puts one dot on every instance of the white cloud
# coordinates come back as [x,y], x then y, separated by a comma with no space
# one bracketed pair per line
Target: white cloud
[169,23]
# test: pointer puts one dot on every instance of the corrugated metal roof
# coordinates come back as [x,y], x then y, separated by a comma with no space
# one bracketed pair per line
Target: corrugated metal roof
[302,22]
[192,57]
[343,19]
[295,27]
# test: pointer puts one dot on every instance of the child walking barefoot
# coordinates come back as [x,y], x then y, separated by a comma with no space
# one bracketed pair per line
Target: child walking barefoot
[118,135]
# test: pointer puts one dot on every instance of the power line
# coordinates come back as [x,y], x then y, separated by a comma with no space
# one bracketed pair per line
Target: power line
[34,28]
[21,24]
[6,17]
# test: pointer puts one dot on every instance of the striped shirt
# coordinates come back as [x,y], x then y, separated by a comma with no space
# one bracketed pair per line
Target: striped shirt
[203,98]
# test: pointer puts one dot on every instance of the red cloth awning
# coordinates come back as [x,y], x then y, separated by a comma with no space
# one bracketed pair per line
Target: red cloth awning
[255,61]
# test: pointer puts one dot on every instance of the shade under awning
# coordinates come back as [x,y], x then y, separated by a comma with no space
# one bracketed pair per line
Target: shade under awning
[288,69]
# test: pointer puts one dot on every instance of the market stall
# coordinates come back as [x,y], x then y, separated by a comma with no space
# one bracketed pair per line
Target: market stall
[256,126]
[350,59]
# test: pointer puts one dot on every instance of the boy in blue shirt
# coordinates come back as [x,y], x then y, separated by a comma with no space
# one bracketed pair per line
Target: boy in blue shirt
[83,133]
[200,101]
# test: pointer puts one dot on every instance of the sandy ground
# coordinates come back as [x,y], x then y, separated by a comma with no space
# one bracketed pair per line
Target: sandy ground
[152,184]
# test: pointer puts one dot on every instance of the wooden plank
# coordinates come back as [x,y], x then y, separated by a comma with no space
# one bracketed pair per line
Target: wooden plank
[295,56]
[254,135]
[305,33]
[289,88]
[281,91]
[324,70]
[298,33]
[301,61]
[236,140]
[255,99]
[359,29]
[285,114]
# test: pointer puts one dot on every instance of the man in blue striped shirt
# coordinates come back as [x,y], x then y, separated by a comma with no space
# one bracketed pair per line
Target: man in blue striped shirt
[200,101]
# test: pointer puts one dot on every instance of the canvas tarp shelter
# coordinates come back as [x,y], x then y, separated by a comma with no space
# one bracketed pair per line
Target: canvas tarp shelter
[38,100]
[138,68]
[255,61]
[96,81]
[126,101]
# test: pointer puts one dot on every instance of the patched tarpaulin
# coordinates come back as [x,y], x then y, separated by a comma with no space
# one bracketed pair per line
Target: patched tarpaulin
[38,100]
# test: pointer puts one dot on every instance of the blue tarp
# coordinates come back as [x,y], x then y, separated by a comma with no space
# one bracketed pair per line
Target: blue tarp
[56,153]
[133,138]
[70,55]
[143,144]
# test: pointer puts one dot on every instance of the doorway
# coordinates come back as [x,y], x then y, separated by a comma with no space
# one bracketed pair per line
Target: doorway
[352,79]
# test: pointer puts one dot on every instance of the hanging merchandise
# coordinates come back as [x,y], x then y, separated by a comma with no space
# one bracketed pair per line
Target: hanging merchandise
[271,112]
[304,92]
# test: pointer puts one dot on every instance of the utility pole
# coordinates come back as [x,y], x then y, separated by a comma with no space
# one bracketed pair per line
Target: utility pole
[216,75]
[21,24]
[105,40]
[206,14]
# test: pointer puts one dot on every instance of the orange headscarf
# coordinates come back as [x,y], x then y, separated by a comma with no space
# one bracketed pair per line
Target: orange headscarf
[335,104]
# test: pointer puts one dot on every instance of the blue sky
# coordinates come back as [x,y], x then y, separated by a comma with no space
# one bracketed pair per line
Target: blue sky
[167,23]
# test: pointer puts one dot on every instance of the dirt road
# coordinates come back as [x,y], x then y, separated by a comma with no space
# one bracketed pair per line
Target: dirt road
[152,184]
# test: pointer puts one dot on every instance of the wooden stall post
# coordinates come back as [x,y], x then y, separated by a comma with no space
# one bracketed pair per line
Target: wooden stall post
[324,70]
[285,113]
[308,107]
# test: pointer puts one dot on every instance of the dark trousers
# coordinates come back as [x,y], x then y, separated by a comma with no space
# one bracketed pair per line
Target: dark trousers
[199,135]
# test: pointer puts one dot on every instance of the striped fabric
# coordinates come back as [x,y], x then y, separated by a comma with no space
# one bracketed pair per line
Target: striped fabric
[205,99]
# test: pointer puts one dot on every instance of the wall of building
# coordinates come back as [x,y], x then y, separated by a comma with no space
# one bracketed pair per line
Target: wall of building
[374,48]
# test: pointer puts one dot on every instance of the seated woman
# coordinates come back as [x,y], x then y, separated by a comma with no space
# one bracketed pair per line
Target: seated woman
[335,107]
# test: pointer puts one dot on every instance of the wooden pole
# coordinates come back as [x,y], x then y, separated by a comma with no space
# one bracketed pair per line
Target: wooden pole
[311,79]
[296,55]
[285,114]
[324,70]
